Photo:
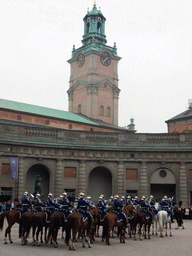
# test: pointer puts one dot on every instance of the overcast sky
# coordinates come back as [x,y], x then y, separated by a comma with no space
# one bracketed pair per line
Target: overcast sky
[153,37]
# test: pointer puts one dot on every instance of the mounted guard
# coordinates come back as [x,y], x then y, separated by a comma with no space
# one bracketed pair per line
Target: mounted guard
[145,207]
[39,206]
[82,207]
[102,207]
[118,210]
[152,204]
[50,205]
[65,204]
[26,204]
[166,205]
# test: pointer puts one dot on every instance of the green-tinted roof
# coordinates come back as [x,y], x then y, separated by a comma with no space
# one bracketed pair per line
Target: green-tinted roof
[42,111]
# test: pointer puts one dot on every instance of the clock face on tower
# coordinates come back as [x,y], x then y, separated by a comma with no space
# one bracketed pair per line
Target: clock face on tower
[80,60]
[105,58]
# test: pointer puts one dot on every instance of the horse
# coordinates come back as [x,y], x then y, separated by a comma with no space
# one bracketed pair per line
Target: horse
[110,221]
[57,220]
[12,216]
[163,220]
[140,218]
[25,226]
[38,221]
[75,223]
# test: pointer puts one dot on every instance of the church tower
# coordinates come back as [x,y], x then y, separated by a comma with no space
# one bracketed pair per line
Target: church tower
[93,86]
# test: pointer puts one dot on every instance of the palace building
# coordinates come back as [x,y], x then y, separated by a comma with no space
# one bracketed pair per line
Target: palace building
[84,149]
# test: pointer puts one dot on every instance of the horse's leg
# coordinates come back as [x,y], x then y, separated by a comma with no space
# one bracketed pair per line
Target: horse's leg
[166,228]
[170,228]
[37,235]
[156,228]
[140,233]
[145,231]
[149,226]
[74,238]
[33,235]
[153,224]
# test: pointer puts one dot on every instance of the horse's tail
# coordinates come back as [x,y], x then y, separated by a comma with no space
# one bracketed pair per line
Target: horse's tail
[20,228]
[160,221]
[2,217]
[105,228]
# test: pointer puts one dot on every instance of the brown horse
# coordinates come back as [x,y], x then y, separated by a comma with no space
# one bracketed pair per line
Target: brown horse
[110,221]
[96,221]
[12,217]
[25,226]
[140,219]
[57,220]
[75,223]
[38,221]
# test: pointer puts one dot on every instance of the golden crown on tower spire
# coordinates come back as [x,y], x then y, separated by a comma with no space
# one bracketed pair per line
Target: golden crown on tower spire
[94,4]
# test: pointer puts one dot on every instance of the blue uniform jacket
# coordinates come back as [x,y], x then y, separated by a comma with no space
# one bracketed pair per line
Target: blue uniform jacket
[38,205]
[26,204]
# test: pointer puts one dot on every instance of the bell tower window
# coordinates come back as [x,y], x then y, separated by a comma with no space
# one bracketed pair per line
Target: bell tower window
[79,109]
[101,110]
[99,28]
[108,112]
[88,27]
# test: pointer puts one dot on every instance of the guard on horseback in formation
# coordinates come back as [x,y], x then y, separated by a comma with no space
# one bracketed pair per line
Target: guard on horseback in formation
[166,205]
[118,210]
[145,207]
[129,201]
[136,202]
[65,204]
[123,201]
[50,205]
[39,206]
[88,198]
[82,207]
[152,204]
[102,207]
[26,204]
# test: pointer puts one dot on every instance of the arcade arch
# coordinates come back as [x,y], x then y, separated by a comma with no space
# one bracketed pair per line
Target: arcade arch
[163,182]
[32,175]
[100,182]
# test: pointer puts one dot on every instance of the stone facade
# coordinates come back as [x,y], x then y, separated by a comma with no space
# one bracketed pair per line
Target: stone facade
[96,158]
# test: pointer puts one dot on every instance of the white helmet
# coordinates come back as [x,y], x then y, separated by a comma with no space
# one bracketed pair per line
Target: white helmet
[25,193]
[61,196]
[111,197]
[50,194]
[165,197]
[151,196]
[136,197]
[122,197]
[81,194]
[128,197]
[65,193]
[37,195]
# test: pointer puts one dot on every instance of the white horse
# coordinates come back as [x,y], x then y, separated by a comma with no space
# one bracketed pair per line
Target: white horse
[163,220]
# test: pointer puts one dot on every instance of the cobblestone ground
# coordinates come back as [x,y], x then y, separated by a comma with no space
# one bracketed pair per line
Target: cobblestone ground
[179,244]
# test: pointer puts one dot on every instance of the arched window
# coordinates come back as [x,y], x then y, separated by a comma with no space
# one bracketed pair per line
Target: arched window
[88,27]
[108,112]
[79,109]
[99,28]
[101,110]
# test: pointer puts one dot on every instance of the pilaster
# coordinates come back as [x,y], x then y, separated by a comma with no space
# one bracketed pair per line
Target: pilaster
[81,177]
[143,179]
[120,175]
[21,187]
[183,183]
[58,178]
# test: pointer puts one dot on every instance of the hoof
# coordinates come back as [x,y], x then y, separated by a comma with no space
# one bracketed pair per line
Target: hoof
[5,242]
[170,234]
